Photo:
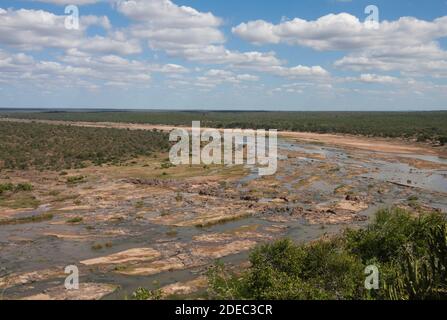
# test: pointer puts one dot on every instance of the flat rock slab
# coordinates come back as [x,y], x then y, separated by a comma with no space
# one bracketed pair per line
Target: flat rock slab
[132,255]
[86,291]
[15,279]
[216,252]
[159,266]
[185,288]
[352,206]
[204,217]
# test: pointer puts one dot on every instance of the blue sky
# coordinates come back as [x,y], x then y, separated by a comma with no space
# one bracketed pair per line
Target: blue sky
[197,54]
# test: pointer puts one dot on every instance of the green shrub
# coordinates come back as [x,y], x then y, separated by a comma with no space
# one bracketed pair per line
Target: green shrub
[283,270]
[386,237]
[97,246]
[443,140]
[75,220]
[167,165]
[6,187]
[422,277]
[410,253]
[76,179]
[15,188]
[145,294]
[23,187]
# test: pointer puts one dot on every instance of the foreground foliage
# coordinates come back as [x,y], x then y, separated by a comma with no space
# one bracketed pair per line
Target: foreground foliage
[145,294]
[410,253]
[55,147]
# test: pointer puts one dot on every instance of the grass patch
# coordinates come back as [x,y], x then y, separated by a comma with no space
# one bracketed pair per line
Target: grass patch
[139,204]
[18,201]
[17,196]
[65,197]
[120,268]
[30,219]
[165,213]
[178,197]
[167,165]
[100,246]
[172,233]
[97,246]
[76,180]
[75,220]
[4,187]
[54,193]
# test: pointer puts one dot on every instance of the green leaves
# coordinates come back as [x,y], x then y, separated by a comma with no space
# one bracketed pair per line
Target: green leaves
[410,253]
[422,277]
[283,270]
[424,126]
[55,147]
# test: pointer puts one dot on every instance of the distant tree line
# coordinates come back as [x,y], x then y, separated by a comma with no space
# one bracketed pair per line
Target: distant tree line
[423,126]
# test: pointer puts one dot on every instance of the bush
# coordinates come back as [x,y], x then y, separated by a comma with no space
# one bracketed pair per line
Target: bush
[283,270]
[6,187]
[422,277]
[410,252]
[76,179]
[75,220]
[23,187]
[386,237]
[15,188]
[145,294]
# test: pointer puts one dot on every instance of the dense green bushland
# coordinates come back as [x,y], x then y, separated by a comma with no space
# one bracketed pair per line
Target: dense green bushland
[409,252]
[420,125]
[55,147]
